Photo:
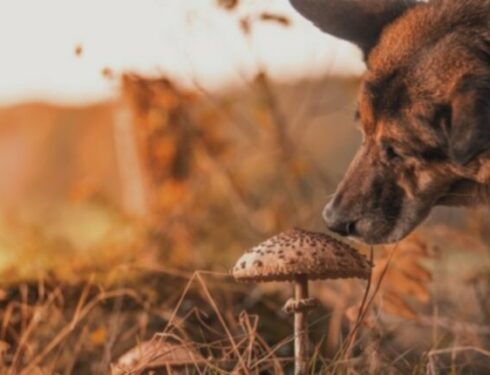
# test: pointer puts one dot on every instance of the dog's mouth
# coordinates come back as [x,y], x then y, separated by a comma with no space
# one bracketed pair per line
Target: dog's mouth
[377,239]
[371,231]
[378,230]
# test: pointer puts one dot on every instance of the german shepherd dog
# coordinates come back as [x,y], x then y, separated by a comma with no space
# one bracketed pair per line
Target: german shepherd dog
[424,109]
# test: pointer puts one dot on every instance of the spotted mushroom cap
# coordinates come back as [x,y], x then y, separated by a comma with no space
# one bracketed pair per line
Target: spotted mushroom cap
[299,252]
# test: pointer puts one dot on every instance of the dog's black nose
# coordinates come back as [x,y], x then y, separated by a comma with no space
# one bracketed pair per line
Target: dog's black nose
[338,224]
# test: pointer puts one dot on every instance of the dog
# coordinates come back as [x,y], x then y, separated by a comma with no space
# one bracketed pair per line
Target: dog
[424,110]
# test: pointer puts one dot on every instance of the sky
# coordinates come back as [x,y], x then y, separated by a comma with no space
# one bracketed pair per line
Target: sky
[189,40]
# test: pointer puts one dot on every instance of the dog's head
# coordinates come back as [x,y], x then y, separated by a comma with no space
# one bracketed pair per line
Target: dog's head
[424,110]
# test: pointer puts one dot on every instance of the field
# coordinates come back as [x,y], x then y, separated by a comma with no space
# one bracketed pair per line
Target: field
[121,220]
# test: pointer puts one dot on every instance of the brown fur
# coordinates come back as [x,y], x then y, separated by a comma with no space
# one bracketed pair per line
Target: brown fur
[424,106]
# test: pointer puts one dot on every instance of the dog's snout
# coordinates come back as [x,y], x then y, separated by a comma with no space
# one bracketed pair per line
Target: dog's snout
[337,223]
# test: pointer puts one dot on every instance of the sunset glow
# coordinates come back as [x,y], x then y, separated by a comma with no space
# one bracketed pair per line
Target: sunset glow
[57,49]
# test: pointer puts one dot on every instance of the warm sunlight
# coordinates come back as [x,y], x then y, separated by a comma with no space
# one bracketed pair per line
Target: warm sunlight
[188,39]
[245,187]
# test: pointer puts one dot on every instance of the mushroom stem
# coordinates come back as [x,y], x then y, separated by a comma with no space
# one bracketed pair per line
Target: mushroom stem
[300,327]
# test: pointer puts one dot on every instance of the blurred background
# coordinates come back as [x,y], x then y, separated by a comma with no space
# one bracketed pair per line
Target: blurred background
[212,123]
[142,141]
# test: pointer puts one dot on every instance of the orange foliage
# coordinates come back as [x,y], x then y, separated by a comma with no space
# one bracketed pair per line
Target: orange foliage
[400,278]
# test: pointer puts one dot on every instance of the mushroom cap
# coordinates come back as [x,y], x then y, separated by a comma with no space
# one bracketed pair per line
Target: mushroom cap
[300,252]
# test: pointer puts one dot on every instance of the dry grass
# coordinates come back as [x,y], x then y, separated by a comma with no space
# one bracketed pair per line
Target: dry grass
[85,282]
[53,327]
[77,309]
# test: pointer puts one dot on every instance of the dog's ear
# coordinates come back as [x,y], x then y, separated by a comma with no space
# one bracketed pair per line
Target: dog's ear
[469,126]
[358,21]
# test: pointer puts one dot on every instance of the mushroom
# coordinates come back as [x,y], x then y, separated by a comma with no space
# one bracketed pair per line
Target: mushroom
[299,256]
[157,354]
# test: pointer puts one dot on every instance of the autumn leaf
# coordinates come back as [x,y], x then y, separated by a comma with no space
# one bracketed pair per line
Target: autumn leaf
[403,276]
[394,304]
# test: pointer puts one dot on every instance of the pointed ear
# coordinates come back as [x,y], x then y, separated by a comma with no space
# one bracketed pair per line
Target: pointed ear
[469,132]
[358,21]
